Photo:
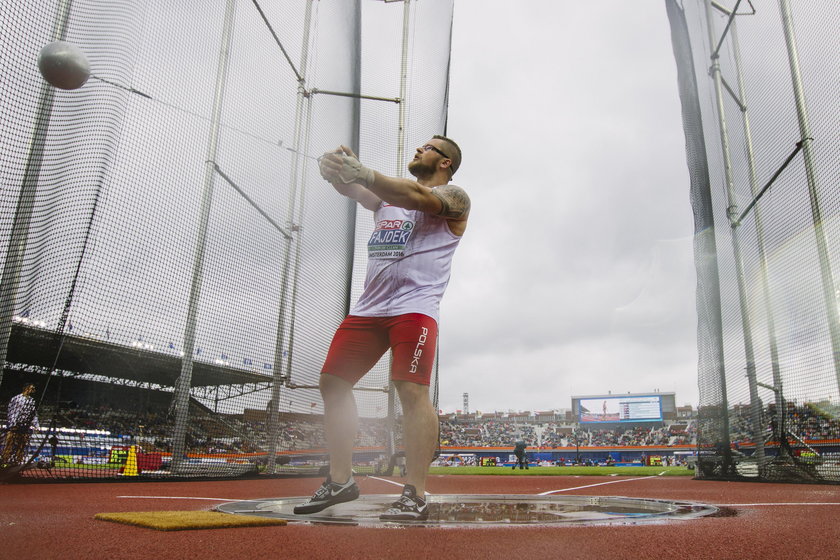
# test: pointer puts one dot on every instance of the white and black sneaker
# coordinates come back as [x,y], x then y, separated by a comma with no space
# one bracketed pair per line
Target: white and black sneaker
[409,507]
[329,494]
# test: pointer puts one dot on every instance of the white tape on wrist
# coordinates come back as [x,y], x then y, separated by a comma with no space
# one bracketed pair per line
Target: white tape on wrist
[352,171]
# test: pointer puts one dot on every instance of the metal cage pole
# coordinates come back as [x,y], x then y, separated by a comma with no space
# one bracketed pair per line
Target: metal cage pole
[282,375]
[749,352]
[181,400]
[19,236]
[832,312]
[759,225]
[295,276]
[355,144]
[403,87]
[391,446]
[713,425]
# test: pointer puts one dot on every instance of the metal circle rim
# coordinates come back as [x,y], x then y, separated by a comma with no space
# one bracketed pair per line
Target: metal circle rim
[485,510]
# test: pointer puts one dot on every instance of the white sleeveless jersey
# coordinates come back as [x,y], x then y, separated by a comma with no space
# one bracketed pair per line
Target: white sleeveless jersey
[409,261]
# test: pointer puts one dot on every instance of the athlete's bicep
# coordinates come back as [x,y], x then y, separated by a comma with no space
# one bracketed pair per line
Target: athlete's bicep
[454,202]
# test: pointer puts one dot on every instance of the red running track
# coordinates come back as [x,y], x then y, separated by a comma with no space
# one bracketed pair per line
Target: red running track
[44,521]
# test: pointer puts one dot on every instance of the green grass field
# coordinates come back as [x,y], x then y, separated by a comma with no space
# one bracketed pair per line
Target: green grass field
[565,471]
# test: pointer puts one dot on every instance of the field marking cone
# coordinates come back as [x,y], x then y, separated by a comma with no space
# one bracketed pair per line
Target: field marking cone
[131,462]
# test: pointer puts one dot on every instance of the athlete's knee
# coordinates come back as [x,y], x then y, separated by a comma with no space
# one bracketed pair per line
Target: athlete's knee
[413,395]
[333,387]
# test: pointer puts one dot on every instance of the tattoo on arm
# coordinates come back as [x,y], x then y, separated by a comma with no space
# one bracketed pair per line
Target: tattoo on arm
[454,202]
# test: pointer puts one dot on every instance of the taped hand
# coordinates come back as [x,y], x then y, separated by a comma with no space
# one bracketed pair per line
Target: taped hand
[342,166]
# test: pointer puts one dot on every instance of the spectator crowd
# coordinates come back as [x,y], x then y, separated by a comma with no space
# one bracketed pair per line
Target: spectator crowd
[212,433]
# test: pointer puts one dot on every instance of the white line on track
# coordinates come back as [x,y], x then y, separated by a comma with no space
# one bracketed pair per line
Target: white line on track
[783,504]
[394,483]
[593,485]
[237,499]
[190,498]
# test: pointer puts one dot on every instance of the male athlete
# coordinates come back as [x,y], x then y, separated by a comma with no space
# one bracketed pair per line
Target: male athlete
[418,227]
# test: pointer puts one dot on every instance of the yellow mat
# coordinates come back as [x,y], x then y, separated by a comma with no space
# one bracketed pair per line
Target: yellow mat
[183,520]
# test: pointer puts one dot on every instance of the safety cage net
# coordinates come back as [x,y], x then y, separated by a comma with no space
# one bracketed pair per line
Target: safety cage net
[758,83]
[174,266]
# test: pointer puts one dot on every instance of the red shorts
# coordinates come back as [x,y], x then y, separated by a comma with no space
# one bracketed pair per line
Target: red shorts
[360,342]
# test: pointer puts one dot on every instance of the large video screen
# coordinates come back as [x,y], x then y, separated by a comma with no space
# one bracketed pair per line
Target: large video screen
[610,410]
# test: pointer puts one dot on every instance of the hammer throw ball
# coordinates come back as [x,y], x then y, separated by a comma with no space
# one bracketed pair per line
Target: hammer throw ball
[64,65]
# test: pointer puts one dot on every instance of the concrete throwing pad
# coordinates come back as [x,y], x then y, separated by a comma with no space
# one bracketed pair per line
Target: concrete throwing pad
[461,510]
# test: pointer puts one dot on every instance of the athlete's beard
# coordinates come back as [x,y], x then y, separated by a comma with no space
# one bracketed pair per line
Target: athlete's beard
[419,169]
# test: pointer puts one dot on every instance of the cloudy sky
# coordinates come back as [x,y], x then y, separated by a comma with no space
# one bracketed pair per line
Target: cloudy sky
[576,274]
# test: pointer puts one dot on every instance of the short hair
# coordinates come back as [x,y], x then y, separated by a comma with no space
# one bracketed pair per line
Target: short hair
[455,155]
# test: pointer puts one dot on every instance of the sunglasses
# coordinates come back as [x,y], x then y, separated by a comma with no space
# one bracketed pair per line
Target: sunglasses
[428,147]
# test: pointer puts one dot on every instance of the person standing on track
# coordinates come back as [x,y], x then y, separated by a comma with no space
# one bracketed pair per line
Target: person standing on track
[521,456]
[20,419]
[418,225]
